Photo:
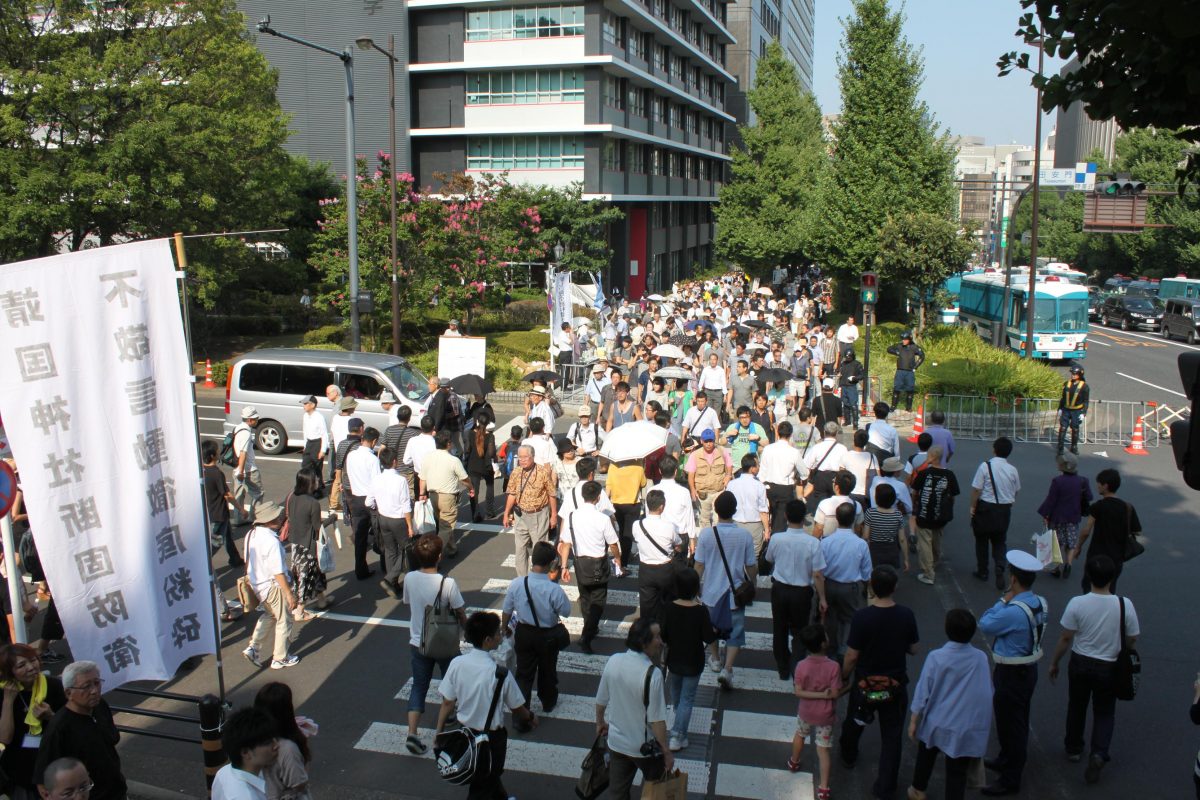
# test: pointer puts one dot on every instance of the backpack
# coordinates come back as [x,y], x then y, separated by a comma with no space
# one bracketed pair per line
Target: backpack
[30,561]
[453,405]
[228,455]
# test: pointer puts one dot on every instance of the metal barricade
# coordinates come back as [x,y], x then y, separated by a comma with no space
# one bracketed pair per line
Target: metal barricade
[1036,419]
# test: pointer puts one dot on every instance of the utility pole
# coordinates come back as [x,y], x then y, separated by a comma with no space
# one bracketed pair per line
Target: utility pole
[1033,240]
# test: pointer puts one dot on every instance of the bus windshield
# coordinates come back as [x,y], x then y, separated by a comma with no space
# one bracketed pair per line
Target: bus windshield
[1072,314]
[1043,315]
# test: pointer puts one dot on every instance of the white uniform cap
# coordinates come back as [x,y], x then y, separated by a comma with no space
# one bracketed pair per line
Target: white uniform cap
[1024,561]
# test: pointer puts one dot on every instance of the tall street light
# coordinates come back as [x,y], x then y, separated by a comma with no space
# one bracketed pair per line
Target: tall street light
[1033,234]
[264,26]
[366,43]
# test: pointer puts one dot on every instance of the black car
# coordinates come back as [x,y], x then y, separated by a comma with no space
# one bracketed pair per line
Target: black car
[1095,301]
[1132,312]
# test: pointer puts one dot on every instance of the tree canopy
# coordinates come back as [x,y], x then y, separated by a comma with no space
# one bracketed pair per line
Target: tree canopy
[921,250]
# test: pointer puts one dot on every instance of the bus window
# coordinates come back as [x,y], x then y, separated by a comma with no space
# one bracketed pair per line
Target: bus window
[1072,314]
[1044,314]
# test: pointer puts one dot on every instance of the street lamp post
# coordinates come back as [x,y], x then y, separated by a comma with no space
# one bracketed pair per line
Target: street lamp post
[347,59]
[366,43]
[1033,240]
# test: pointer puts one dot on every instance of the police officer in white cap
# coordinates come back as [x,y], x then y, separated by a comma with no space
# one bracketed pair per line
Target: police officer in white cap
[1018,621]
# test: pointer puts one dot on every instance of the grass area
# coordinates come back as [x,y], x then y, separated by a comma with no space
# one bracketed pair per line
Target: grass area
[958,362]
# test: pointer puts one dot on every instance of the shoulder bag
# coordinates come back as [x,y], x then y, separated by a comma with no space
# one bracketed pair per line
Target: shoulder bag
[653,763]
[460,753]
[1133,547]
[1128,670]
[675,559]
[561,638]
[589,570]
[440,636]
[245,590]
[743,593]
[593,776]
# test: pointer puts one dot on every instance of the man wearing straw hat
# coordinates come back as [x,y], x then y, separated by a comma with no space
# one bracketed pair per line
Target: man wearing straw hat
[267,570]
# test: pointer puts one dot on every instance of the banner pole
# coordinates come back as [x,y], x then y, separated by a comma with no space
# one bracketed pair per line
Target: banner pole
[181,259]
[16,592]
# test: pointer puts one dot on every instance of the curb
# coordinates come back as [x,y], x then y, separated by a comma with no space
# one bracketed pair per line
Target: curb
[144,791]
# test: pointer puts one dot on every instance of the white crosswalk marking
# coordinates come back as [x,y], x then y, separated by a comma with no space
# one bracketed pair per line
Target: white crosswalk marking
[616,597]
[736,780]
[762,727]
[763,582]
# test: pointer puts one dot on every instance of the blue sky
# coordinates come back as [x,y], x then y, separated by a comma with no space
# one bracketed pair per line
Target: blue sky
[961,40]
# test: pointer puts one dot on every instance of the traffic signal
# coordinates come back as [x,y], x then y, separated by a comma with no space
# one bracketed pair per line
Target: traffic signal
[1123,186]
[869,288]
[1185,436]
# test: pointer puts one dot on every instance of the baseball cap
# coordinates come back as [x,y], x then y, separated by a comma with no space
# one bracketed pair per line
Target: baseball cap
[827,383]
[708,436]
[585,411]
[310,399]
[387,397]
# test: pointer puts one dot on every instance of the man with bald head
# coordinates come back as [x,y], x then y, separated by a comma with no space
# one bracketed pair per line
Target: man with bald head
[66,777]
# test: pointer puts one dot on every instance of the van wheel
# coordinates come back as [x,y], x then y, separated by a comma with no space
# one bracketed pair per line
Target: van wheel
[1165,331]
[1191,337]
[271,438]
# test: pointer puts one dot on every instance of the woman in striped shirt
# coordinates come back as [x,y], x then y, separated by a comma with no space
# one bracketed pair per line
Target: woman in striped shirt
[881,529]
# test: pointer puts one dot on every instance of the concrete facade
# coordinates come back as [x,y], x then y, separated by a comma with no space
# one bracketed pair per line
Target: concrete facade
[755,23]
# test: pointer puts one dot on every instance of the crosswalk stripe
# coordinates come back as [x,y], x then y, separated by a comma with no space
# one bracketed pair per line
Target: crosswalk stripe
[616,597]
[762,727]
[737,780]
[510,561]
[570,707]
[540,758]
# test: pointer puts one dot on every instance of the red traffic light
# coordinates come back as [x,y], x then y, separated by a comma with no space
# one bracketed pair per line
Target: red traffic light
[868,280]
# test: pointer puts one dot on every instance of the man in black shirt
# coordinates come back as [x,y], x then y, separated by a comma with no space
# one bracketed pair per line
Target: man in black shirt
[217,498]
[396,439]
[881,637]
[1110,524]
[84,729]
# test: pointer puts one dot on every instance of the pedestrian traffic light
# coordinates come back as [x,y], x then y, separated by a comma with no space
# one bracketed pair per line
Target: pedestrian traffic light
[869,287]
[1185,436]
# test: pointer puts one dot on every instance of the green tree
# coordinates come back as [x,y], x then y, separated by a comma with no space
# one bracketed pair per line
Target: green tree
[131,120]
[888,158]
[581,226]
[765,216]
[920,250]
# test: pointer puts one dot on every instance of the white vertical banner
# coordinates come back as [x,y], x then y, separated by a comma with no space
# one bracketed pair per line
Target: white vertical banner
[97,406]
[561,307]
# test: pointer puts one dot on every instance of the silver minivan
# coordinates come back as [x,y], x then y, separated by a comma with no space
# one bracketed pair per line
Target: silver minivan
[274,381]
[1181,318]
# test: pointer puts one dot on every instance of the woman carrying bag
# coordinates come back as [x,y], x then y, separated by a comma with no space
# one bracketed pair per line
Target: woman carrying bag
[480,463]
[303,512]
[1067,500]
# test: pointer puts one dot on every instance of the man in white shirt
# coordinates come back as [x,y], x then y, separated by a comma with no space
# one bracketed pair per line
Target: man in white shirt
[564,346]
[585,468]
[540,408]
[339,429]
[541,442]
[316,437]
[700,418]
[387,401]
[250,741]
[268,573]
[847,335]
[595,387]
[467,690]
[882,438]
[780,468]
[453,329]
[592,537]
[622,717]
[677,506]
[1092,630]
[822,461]
[712,382]
[441,478]
[420,446]
[753,510]
[358,476]
[390,497]
[796,561]
[584,434]
[247,480]
[658,543]
[993,492]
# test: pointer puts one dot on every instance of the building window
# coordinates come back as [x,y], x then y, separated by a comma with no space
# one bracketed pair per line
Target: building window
[637,101]
[637,158]
[656,162]
[639,45]
[658,109]
[528,22]
[678,69]
[499,153]
[612,156]
[676,117]
[527,86]
[611,28]
[661,57]
[694,79]
[693,120]
[677,19]
[762,48]
[660,8]
[658,216]
[613,96]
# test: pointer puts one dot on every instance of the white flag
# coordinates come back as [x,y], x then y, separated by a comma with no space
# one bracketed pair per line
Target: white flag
[98,410]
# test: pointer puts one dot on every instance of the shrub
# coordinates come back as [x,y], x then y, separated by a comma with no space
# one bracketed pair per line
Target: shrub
[526,312]
[324,346]
[221,372]
[247,325]
[325,335]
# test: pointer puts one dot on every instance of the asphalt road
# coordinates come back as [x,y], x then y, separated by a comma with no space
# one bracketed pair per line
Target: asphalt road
[355,662]
[1129,365]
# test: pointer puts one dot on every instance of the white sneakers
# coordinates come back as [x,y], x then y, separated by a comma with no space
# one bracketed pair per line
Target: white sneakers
[725,679]
[714,663]
[676,743]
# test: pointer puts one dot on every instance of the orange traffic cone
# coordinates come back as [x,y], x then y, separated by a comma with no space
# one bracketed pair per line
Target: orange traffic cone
[208,381]
[1138,446]
[918,423]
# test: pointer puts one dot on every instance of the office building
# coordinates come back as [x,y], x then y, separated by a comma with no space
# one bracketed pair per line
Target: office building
[1079,135]
[754,24]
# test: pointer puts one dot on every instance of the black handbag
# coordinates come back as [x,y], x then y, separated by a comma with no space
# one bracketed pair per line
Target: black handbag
[653,762]
[743,593]
[462,753]
[1128,670]
[561,636]
[1133,547]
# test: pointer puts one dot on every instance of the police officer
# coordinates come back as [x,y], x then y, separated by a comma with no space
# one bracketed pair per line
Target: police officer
[909,356]
[1018,621]
[590,533]
[1072,408]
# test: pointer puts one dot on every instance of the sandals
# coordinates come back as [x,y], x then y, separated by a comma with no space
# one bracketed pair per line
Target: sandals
[823,793]
[793,766]
[415,746]
[305,616]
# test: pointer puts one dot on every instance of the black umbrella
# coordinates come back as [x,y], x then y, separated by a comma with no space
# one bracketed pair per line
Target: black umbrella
[756,323]
[681,339]
[472,384]
[774,375]
[543,375]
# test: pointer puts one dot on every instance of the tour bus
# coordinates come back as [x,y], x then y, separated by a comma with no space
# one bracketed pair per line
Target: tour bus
[1178,287]
[1060,322]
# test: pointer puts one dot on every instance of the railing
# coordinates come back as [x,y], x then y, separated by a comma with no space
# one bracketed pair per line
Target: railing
[1025,419]
[209,718]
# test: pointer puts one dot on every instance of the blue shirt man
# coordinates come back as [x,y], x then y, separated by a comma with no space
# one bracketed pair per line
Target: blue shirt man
[716,585]
[536,640]
[847,557]
[941,435]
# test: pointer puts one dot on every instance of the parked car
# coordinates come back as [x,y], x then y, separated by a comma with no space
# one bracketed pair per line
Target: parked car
[1181,317]
[275,380]
[1094,303]
[1132,312]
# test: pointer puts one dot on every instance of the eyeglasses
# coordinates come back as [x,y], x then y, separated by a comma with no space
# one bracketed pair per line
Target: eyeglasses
[89,686]
[82,790]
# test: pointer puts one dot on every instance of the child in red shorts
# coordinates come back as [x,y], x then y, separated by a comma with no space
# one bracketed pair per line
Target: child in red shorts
[818,682]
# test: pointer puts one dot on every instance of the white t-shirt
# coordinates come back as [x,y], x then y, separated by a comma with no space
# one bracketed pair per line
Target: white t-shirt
[231,783]
[825,517]
[420,592]
[857,463]
[470,681]
[264,560]
[544,450]
[243,442]
[1096,619]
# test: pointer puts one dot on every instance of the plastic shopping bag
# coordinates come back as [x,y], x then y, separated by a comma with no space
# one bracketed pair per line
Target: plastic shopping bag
[423,519]
[1044,544]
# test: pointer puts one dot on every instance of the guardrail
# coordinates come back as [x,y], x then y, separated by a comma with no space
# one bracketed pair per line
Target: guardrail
[1036,419]
[210,718]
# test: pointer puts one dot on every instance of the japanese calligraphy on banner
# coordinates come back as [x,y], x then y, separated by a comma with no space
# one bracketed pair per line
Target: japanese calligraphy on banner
[97,407]
[560,302]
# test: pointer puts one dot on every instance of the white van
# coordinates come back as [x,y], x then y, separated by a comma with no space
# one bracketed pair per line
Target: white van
[275,380]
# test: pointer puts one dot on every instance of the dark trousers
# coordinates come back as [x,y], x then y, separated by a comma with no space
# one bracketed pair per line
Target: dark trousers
[488,786]
[891,718]
[791,609]
[537,658]
[224,531]
[1090,679]
[627,514]
[956,772]
[393,539]
[360,522]
[592,598]
[656,587]
[778,495]
[622,770]
[488,481]
[309,460]
[1011,698]
[990,526]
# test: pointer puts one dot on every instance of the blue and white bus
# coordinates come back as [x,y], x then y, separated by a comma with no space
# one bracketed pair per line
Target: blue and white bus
[1060,321]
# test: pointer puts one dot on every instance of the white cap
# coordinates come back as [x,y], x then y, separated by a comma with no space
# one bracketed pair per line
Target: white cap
[250,412]
[1024,561]
[387,397]
[827,383]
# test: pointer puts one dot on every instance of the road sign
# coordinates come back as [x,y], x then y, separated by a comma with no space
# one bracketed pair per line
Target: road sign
[8,488]
[1085,176]
[1057,177]
[1004,233]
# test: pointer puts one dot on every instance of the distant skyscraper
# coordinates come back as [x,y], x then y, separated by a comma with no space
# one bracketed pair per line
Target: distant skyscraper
[755,23]
[1079,135]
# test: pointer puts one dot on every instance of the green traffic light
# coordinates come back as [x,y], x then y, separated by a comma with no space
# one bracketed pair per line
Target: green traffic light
[1112,188]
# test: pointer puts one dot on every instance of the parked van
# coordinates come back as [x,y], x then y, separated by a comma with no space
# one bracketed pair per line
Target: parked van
[275,380]
[1181,317]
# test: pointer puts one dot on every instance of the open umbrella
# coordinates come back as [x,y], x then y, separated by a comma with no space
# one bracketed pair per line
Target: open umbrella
[472,384]
[756,323]
[674,373]
[691,325]
[543,375]
[774,375]
[668,351]
[756,346]
[681,339]
[575,323]
[658,298]
[763,290]
[633,440]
